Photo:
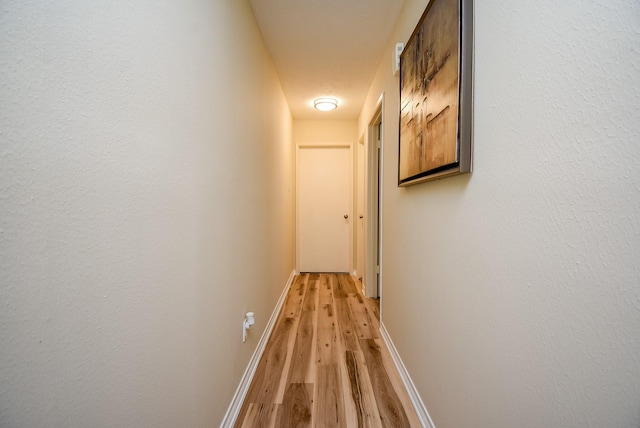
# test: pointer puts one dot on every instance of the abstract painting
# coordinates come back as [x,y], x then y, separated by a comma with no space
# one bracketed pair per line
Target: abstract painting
[435,94]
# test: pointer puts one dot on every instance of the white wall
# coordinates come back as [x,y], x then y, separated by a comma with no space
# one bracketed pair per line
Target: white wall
[145,159]
[513,293]
[325,131]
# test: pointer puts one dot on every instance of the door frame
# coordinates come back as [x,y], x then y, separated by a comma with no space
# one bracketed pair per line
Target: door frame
[316,145]
[374,170]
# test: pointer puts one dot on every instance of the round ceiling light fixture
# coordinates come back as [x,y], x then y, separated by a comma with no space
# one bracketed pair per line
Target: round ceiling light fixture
[325,104]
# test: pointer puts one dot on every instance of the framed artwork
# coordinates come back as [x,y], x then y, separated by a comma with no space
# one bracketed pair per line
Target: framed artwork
[436,94]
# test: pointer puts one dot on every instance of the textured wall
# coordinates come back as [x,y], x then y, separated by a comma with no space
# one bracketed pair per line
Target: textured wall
[145,160]
[513,293]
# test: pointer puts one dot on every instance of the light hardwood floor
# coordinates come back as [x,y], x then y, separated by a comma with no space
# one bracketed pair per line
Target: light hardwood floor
[325,364]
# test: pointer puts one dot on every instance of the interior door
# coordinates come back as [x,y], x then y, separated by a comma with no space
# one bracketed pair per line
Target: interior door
[373,196]
[323,207]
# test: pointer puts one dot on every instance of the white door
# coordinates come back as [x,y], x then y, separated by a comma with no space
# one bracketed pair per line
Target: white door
[324,214]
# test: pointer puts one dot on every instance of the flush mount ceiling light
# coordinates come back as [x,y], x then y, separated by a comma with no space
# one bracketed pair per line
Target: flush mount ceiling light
[325,104]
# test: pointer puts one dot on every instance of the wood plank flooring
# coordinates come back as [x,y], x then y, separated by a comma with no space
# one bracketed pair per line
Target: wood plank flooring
[325,364]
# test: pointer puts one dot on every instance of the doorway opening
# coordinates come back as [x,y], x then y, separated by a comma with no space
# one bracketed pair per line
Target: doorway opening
[374,144]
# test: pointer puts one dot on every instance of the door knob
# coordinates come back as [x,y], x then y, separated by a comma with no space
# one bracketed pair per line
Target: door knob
[346,216]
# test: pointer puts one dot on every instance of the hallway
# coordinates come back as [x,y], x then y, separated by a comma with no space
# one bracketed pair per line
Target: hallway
[326,364]
[148,167]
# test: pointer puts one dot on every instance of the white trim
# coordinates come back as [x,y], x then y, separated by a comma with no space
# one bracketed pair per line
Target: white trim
[241,392]
[418,404]
[381,144]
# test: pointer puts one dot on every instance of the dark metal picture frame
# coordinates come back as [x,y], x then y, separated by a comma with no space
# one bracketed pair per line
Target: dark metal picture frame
[436,94]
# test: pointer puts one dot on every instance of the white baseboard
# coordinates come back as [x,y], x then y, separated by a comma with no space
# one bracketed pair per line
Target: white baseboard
[236,403]
[421,410]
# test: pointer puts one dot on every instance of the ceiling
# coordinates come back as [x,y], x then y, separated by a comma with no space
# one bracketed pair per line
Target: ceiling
[326,48]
